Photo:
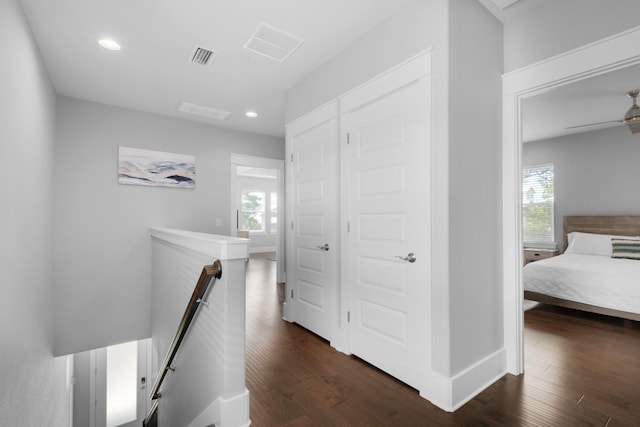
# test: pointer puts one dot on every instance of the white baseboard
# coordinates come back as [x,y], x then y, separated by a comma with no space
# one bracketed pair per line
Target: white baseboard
[452,393]
[340,346]
[286,312]
[235,411]
[232,412]
[340,340]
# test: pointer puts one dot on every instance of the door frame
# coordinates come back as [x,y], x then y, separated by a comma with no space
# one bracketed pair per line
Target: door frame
[98,382]
[266,163]
[606,55]
[326,114]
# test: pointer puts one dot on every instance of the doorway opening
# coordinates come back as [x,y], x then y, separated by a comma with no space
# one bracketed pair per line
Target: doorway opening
[610,54]
[256,195]
[256,198]
[111,385]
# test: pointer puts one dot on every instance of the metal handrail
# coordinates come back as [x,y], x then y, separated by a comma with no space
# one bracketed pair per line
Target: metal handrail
[151,419]
[208,273]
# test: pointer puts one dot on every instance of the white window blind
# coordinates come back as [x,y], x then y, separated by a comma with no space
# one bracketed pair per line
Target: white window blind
[537,204]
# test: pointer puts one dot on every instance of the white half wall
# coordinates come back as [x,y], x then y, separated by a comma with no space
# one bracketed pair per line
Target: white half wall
[208,384]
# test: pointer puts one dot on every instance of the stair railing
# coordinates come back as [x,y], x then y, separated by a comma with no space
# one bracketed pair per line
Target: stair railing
[152,417]
[206,277]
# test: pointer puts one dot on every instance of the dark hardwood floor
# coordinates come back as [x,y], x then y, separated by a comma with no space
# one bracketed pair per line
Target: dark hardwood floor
[581,370]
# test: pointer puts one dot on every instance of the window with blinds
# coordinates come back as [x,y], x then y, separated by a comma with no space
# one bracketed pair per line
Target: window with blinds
[537,204]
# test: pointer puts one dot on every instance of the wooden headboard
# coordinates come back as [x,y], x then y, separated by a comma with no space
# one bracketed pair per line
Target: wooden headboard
[600,224]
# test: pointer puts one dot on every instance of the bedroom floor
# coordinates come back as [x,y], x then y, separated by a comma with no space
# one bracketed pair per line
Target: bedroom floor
[581,370]
[585,365]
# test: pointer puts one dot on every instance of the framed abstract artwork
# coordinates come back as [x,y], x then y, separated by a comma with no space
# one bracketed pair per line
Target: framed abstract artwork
[156,168]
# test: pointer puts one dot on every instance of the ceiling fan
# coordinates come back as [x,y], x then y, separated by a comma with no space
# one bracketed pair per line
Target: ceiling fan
[631,117]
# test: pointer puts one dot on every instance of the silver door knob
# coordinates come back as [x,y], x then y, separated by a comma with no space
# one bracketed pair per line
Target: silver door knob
[325,247]
[411,257]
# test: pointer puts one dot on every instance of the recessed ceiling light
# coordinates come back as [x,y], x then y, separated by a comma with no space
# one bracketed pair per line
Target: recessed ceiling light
[251,114]
[109,44]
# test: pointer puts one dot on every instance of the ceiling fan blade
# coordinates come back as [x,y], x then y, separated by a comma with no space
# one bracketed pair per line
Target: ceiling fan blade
[594,124]
[634,127]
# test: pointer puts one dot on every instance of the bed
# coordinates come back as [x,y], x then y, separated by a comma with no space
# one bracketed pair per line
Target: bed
[586,276]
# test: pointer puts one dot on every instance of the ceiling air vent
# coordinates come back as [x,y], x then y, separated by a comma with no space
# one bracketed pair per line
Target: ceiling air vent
[200,110]
[202,56]
[273,43]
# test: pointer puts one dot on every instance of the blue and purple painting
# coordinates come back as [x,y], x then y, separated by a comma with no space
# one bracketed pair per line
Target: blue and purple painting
[156,168]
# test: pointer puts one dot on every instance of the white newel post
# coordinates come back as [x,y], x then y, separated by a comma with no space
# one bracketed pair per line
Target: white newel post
[208,384]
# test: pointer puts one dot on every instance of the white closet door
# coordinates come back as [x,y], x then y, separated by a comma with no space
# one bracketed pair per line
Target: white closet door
[389,214]
[313,254]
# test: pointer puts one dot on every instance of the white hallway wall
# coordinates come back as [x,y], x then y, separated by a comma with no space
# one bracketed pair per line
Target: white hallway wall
[102,244]
[558,26]
[475,151]
[464,36]
[33,385]
[418,26]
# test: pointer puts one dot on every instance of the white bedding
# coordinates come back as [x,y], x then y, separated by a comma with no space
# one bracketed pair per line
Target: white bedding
[591,279]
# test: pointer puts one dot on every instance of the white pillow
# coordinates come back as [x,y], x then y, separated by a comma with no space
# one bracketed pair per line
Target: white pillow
[592,244]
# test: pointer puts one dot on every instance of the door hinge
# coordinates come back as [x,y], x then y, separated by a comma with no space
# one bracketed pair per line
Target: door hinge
[348,317]
[291,225]
[292,157]
[348,227]
[291,293]
[348,138]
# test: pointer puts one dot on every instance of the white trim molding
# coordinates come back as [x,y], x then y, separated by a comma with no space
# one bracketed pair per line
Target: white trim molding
[451,393]
[609,54]
[233,411]
[267,163]
[221,247]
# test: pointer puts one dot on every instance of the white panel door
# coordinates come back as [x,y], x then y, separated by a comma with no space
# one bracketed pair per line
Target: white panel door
[389,239]
[313,276]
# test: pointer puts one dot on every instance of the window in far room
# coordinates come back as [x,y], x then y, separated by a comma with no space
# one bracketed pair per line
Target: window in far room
[274,212]
[537,205]
[253,210]
[255,204]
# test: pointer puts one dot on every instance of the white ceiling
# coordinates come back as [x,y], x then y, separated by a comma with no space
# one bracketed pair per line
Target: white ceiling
[593,100]
[153,73]
[597,99]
